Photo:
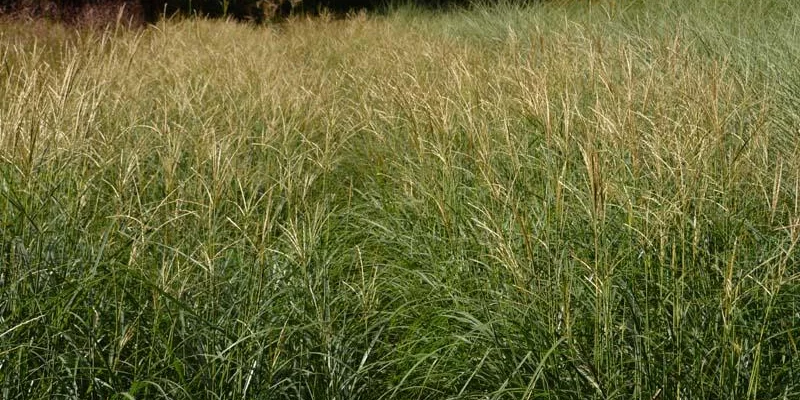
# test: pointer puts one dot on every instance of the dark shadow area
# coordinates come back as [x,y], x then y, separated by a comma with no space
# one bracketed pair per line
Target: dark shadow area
[78,12]
[138,12]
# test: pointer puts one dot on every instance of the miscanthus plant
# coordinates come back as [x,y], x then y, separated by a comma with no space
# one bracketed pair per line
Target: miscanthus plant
[566,200]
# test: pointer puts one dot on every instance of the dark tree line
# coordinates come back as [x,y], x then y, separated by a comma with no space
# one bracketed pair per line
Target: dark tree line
[148,11]
[151,10]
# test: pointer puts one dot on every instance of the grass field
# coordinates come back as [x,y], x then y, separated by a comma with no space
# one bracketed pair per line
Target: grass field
[567,201]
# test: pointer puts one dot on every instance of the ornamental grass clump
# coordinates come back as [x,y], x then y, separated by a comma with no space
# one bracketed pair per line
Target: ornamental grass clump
[561,200]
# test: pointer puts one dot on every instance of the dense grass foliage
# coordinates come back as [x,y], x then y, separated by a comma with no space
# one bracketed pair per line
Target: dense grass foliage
[559,201]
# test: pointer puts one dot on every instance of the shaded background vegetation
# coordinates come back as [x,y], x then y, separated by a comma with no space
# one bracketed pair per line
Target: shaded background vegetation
[141,11]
